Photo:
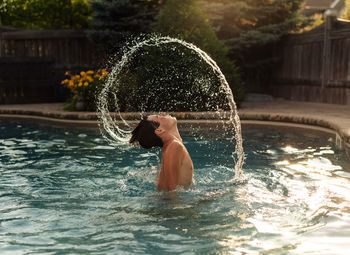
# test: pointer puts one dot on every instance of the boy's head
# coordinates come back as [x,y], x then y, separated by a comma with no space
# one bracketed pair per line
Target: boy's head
[144,133]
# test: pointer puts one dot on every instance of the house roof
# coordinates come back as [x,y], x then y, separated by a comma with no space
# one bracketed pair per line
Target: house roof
[320,6]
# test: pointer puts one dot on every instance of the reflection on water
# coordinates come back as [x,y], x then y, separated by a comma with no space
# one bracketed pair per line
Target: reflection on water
[68,192]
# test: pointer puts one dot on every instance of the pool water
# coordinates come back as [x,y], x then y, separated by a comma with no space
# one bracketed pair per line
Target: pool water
[67,191]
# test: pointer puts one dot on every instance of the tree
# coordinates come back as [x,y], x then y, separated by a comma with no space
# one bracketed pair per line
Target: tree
[162,71]
[184,19]
[346,13]
[45,14]
[115,21]
[251,28]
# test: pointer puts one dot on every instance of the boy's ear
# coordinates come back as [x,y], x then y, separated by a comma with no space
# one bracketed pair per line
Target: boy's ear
[158,131]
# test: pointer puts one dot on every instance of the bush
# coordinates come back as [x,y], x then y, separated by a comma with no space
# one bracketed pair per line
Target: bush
[184,19]
[45,14]
[115,21]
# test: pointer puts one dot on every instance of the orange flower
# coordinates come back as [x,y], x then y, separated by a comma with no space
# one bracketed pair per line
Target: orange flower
[89,78]
[84,81]
[104,72]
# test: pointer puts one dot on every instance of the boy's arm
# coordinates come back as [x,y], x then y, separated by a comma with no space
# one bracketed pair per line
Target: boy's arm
[172,163]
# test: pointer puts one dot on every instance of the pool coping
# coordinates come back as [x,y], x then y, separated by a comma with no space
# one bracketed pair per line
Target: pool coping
[273,113]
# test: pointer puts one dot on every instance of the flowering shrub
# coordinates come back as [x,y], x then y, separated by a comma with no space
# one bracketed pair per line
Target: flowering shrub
[85,86]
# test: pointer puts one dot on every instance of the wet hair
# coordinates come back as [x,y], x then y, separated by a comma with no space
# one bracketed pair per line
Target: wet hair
[144,134]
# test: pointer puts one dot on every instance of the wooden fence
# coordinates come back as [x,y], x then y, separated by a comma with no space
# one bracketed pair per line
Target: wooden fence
[32,63]
[315,66]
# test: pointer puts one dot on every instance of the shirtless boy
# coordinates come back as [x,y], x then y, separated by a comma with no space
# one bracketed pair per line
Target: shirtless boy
[161,131]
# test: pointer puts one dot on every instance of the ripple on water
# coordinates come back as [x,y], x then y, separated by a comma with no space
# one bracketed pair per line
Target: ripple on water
[75,198]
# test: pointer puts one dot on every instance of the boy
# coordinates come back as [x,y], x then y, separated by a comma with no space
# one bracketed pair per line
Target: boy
[161,131]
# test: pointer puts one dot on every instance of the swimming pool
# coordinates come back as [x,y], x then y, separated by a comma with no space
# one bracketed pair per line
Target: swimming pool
[66,191]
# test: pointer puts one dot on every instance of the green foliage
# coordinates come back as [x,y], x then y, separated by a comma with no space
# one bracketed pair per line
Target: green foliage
[346,13]
[115,21]
[45,14]
[269,19]
[317,20]
[251,29]
[169,77]
[185,20]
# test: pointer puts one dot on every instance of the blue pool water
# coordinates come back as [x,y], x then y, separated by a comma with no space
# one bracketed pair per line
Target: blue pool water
[66,191]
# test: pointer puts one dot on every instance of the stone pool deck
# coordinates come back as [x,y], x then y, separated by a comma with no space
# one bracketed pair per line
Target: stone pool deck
[329,116]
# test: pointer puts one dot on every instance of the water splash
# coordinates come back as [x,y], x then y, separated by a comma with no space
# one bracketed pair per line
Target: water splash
[113,132]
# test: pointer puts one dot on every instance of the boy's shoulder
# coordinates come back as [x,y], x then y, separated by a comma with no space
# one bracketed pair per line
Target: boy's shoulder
[175,148]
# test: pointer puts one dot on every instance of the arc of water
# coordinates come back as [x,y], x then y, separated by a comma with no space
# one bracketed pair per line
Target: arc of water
[118,134]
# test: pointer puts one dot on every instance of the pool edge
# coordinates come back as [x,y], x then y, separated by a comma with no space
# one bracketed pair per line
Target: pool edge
[89,120]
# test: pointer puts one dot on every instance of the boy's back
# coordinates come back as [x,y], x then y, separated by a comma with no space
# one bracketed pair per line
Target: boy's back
[177,167]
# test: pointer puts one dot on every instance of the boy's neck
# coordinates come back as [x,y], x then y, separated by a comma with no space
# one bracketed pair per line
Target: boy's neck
[170,136]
